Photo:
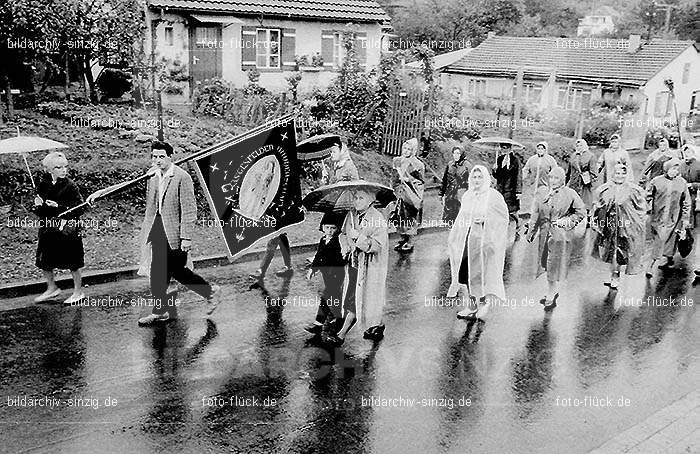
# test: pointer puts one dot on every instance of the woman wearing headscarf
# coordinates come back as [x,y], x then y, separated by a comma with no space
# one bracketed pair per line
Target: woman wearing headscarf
[618,224]
[555,216]
[454,182]
[476,244]
[60,245]
[509,181]
[669,199]
[654,164]
[614,155]
[343,168]
[581,172]
[408,184]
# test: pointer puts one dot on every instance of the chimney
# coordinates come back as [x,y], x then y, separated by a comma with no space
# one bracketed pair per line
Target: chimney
[490,35]
[635,42]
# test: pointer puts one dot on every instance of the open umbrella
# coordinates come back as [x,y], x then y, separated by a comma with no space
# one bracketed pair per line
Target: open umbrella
[498,141]
[316,148]
[338,196]
[27,144]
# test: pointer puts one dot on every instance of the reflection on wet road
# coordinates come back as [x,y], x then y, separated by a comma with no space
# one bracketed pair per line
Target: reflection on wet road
[89,380]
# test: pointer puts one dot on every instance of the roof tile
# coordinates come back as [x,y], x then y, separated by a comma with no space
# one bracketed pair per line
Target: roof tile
[335,10]
[595,59]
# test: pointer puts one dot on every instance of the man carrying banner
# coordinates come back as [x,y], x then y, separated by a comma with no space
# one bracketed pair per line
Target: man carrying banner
[167,230]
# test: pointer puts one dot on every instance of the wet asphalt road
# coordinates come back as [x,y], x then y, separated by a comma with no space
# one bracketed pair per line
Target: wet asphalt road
[249,381]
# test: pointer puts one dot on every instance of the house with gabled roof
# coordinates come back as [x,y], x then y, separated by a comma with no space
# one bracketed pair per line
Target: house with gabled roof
[568,74]
[225,38]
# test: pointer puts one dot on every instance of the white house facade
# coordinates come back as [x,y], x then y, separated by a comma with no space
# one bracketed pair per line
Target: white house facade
[225,39]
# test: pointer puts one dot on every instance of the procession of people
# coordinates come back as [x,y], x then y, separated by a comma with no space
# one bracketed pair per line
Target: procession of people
[352,253]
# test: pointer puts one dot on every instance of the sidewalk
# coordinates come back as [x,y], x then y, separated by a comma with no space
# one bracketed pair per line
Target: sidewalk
[672,430]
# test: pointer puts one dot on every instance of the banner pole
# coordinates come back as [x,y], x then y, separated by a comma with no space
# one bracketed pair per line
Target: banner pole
[199,154]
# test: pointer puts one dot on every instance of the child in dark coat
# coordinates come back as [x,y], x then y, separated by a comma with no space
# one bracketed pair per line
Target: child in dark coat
[329,260]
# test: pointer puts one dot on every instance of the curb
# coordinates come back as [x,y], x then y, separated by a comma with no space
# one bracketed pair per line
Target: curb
[19,289]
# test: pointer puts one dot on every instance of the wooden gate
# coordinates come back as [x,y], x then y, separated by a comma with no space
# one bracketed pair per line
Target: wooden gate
[404,119]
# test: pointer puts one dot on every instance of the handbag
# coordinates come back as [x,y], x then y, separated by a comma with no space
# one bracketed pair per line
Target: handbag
[685,246]
[586,177]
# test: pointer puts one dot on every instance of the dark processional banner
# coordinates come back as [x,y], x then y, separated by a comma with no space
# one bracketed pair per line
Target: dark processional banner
[253,186]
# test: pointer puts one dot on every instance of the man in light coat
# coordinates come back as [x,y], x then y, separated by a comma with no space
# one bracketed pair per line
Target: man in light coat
[171,212]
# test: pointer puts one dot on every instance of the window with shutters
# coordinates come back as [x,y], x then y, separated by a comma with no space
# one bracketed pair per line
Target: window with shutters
[267,48]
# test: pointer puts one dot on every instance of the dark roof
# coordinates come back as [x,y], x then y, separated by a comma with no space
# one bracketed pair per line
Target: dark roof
[330,10]
[504,55]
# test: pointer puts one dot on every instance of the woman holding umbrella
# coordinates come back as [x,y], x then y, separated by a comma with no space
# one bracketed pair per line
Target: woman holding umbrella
[618,224]
[477,249]
[60,245]
[365,240]
[408,185]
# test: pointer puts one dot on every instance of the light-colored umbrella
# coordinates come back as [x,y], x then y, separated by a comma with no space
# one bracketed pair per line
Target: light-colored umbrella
[338,196]
[498,141]
[27,144]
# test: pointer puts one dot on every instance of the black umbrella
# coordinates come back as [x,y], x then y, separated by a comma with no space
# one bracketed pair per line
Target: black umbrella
[338,196]
[317,147]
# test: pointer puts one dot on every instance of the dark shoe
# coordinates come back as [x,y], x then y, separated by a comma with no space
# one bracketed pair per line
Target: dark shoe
[467,314]
[543,301]
[333,340]
[374,333]
[313,328]
[284,272]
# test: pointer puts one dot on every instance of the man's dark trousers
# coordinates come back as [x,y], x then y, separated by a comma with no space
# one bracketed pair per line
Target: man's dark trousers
[167,263]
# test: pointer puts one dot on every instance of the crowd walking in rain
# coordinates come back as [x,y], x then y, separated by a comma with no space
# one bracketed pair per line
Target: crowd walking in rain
[583,194]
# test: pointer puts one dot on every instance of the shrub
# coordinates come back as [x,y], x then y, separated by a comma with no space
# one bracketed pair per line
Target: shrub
[113,83]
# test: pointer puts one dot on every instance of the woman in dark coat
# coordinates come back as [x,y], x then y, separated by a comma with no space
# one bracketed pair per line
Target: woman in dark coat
[509,181]
[60,245]
[454,184]
[581,172]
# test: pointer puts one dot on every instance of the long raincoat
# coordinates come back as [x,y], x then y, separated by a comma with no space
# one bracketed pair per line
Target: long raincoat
[555,244]
[580,165]
[370,256]
[618,224]
[476,241]
[670,209]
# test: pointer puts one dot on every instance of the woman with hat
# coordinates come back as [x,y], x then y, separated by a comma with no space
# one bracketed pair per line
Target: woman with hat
[476,245]
[555,216]
[454,182]
[618,224]
[60,245]
[669,199]
[509,181]
[408,184]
